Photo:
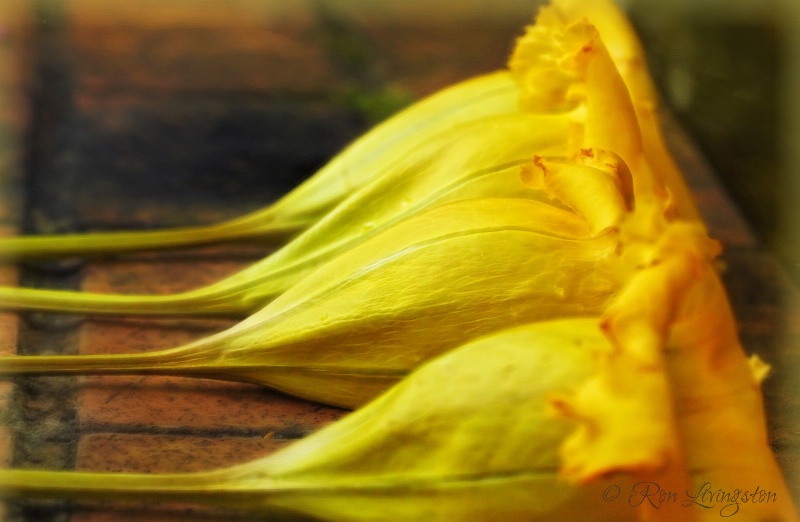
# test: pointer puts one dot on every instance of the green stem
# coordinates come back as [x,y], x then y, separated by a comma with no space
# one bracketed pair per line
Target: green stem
[64,245]
[195,303]
[176,361]
[87,486]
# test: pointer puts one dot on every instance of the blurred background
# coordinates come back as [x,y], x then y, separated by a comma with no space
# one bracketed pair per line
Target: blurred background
[730,72]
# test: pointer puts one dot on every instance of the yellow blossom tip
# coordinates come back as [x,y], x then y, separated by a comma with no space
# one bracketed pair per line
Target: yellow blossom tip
[549,58]
[758,368]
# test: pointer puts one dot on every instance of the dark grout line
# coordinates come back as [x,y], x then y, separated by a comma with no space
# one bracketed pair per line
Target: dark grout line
[45,423]
[286,433]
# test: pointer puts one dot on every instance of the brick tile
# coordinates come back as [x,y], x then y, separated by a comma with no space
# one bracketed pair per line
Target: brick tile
[178,46]
[160,402]
[157,275]
[145,453]
[200,61]
[131,335]
[146,159]
[150,14]
[178,404]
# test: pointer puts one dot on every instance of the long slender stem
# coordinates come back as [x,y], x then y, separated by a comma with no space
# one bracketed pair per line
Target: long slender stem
[177,361]
[195,303]
[83,486]
[211,488]
[54,246]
